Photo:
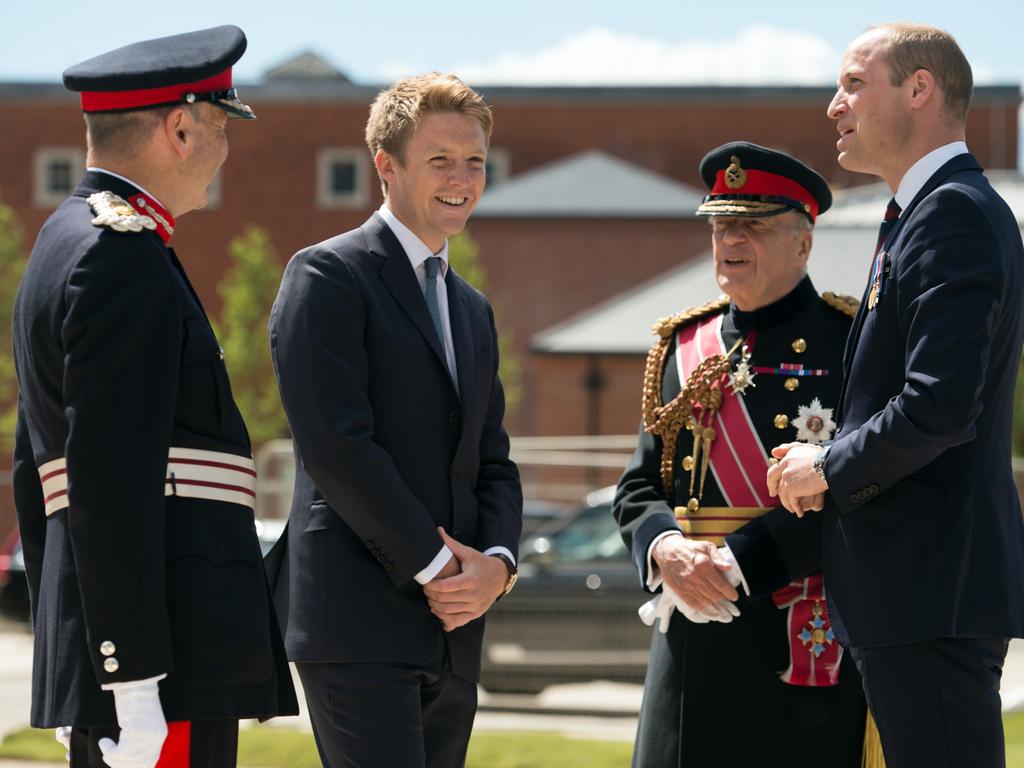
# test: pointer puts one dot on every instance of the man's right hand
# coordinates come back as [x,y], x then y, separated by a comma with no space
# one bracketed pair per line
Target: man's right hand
[143,727]
[694,570]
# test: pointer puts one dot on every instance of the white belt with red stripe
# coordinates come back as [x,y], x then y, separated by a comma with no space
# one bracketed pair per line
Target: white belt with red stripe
[191,472]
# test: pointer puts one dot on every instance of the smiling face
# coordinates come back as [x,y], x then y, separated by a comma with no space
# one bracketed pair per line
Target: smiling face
[873,117]
[437,182]
[758,260]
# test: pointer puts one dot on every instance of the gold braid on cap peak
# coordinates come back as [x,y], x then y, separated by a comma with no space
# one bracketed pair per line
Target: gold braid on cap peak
[667,420]
[840,301]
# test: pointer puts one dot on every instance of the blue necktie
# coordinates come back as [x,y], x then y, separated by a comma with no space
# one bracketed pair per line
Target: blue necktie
[432,265]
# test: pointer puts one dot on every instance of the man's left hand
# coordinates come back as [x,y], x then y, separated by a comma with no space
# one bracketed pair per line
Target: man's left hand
[794,479]
[457,600]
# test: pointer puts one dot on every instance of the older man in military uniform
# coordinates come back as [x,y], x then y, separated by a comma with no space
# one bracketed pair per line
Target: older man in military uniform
[133,475]
[745,669]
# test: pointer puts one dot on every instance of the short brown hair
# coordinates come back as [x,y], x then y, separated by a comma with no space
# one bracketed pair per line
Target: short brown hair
[396,111]
[915,46]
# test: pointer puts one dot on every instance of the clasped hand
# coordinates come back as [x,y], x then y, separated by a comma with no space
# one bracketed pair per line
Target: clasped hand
[794,480]
[694,574]
[466,587]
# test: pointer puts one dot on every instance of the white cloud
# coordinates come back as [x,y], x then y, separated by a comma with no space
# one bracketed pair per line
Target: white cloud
[760,55]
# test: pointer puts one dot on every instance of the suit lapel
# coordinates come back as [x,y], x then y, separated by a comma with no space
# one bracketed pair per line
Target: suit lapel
[462,336]
[400,280]
[958,164]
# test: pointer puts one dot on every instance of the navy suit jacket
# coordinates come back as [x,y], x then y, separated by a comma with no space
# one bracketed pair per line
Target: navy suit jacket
[386,450]
[923,531]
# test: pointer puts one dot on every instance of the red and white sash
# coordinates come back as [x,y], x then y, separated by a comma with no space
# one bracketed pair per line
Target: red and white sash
[739,464]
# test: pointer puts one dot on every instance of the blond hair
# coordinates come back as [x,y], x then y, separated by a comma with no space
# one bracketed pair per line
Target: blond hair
[397,111]
[911,47]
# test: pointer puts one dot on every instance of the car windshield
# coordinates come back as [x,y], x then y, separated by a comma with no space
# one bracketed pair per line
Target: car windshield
[590,535]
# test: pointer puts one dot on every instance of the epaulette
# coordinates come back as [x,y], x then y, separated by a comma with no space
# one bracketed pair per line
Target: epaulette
[841,302]
[115,212]
[666,326]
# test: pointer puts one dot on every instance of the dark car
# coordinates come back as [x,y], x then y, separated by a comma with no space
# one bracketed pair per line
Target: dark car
[573,615]
[13,582]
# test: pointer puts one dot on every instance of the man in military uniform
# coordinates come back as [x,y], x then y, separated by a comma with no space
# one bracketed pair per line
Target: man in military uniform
[749,673]
[133,475]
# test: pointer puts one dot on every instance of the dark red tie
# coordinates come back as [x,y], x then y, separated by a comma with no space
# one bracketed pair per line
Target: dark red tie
[892,215]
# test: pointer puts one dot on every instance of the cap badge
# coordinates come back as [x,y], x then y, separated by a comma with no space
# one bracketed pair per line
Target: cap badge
[115,212]
[735,176]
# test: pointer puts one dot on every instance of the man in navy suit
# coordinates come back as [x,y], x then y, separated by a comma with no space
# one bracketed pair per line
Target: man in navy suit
[407,510]
[923,544]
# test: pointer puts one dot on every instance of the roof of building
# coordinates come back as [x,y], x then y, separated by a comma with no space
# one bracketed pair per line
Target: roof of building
[590,184]
[304,67]
[843,242]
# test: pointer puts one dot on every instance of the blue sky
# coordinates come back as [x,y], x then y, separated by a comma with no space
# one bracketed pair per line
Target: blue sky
[526,40]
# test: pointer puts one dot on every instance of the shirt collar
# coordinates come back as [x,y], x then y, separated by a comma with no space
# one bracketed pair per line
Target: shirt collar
[126,180]
[417,251]
[915,178]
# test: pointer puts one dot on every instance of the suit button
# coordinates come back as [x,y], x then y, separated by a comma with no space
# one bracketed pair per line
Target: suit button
[111,665]
[107,648]
[455,474]
[855,498]
[874,487]
[388,567]
[453,416]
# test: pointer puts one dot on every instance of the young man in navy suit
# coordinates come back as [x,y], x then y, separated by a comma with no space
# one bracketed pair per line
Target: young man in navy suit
[924,544]
[407,510]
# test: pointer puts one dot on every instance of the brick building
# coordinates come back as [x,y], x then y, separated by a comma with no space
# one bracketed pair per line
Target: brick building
[302,172]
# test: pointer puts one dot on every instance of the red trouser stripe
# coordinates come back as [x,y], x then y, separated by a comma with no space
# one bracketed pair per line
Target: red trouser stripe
[177,745]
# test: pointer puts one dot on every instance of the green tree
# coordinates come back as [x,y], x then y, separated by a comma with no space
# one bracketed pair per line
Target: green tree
[463,255]
[12,266]
[247,292]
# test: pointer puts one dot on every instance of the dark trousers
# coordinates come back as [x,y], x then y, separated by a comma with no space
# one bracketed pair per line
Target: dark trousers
[206,744]
[379,715]
[937,702]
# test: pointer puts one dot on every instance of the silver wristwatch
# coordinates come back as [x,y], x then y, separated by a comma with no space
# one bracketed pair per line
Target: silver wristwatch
[819,462]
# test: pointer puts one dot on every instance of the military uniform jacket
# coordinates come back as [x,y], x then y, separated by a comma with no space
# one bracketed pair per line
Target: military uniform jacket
[923,532]
[116,364]
[713,694]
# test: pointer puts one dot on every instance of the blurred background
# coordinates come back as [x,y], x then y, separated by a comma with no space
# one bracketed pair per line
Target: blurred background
[585,236]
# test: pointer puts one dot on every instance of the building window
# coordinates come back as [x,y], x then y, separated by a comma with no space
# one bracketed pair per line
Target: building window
[57,173]
[497,166]
[342,177]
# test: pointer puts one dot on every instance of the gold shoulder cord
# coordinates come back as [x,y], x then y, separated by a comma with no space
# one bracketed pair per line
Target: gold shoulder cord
[667,420]
[841,302]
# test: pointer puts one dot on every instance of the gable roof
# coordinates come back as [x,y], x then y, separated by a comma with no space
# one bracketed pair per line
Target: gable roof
[590,184]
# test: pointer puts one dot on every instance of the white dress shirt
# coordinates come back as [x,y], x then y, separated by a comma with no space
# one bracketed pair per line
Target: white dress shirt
[418,253]
[924,169]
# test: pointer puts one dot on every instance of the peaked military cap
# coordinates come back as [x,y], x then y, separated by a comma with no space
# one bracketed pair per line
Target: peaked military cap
[750,180]
[180,69]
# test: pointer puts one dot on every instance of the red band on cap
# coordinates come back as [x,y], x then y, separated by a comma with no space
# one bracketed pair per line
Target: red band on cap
[108,101]
[765,183]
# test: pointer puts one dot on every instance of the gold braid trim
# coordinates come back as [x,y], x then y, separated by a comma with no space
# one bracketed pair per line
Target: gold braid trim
[840,301]
[667,420]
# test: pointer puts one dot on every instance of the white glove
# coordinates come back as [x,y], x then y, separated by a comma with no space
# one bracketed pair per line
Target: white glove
[661,606]
[142,723]
[63,735]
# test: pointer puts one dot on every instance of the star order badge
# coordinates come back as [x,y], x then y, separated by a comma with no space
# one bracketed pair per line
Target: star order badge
[814,423]
[117,214]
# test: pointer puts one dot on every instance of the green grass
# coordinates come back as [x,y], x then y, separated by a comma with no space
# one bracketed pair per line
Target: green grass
[269,746]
